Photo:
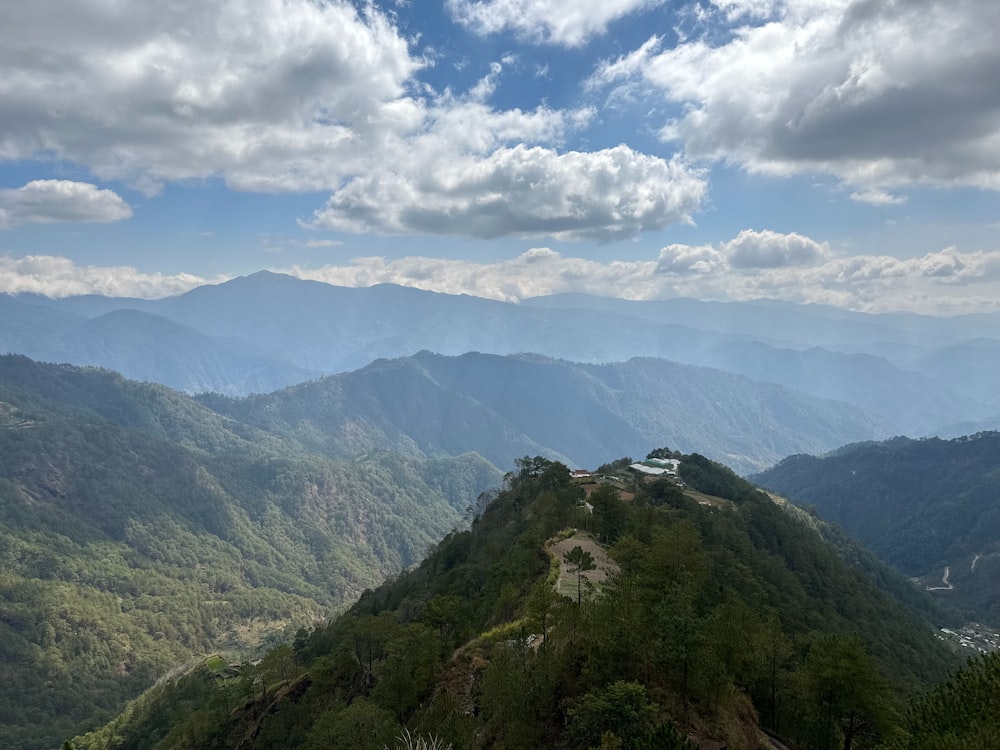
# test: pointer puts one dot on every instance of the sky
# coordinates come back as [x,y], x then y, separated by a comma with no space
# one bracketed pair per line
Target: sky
[816,151]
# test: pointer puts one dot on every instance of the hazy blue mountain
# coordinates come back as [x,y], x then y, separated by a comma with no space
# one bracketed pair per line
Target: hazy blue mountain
[900,400]
[35,330]
[969,367]
[140,345]
[507,407]
[927,506]
[912,374]
[787,323]
[144,346]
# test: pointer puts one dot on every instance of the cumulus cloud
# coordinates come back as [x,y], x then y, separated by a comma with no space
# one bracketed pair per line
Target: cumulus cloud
[569,23]
[296,95]
[55,276]
[882,95]
[948,281]
[769,249]
[56,201]
[269,94]
[611,194]
[685,259]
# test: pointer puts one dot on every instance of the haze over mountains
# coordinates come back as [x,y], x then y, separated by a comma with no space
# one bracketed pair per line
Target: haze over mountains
[911,374]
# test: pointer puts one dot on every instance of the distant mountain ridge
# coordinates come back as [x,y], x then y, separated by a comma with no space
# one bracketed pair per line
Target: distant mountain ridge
[507,407]
[912,374]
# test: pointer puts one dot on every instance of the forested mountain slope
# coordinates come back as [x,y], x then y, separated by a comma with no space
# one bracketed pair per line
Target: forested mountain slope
[720,614]
[139,530]
[507,407]
[930,507]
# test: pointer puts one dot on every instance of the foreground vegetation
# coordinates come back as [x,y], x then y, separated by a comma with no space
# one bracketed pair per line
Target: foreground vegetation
[722,619]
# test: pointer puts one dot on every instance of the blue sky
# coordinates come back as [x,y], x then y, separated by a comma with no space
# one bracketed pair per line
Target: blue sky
[833,151]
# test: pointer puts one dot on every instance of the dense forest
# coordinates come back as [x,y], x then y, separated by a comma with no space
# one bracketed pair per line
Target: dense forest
[926,506]
[140,531]
[721,615]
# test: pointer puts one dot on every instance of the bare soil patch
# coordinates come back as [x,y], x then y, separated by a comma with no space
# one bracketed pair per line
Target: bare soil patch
[605,566]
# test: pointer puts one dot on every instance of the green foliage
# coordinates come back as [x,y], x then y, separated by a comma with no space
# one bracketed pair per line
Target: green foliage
[920,505]
[621,709]
[582,561]
[716,615]
[850,699]
[140,531]
[963,713]
[613,467]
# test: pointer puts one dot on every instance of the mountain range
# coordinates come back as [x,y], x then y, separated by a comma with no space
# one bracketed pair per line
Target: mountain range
[507,407]
[912,374]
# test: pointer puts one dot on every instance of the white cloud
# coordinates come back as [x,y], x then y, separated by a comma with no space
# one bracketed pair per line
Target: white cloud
[323,243]
[569,23]
[876,197]
[880,94]
[535,272]
[297,95]
[55,276]
[769,249]
[605,195]
[58,201]
[269,94]
[687,259]
[945,282]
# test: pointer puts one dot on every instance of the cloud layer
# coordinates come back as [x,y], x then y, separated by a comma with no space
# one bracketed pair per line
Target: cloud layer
[880,94]
[56,201]
[565,22]
[295,95]
[55,276]
[945,282]
[789,267]
[605,195]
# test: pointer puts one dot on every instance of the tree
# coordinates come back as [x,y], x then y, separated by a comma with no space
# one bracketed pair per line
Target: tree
[620,709]
[609,513]
[846,687]
[582,561]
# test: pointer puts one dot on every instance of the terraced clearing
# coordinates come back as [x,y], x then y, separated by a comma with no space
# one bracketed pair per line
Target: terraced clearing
[604,566]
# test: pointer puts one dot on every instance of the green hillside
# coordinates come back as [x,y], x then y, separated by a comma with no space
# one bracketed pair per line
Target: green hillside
[506,407]
[140,531]
[929,507]
[720,614]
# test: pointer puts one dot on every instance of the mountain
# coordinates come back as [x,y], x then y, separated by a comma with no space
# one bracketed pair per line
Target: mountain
[970,366]
[144,346]
[912,374]
[669,615]
[792,325]
[140,530]
[928,507]
[507,407]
